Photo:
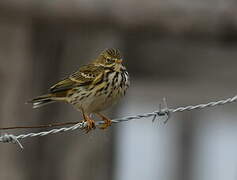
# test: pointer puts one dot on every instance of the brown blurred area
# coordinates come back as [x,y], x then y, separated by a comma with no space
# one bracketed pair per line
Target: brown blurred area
[183,50]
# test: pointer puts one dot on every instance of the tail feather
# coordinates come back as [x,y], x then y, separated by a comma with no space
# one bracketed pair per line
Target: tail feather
[42,100]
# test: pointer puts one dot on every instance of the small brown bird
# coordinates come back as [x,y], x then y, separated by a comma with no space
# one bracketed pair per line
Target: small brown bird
[91,89]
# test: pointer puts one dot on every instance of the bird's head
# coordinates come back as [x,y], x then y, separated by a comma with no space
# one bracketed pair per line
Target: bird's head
[110,58]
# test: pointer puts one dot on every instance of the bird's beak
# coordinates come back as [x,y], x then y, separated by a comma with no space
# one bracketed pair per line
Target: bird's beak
[119,61]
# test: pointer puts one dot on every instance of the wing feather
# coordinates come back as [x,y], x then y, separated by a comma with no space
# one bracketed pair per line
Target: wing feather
[85,76]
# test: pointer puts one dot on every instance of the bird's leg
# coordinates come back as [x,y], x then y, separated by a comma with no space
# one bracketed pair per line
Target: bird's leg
[107,121]
[89,121]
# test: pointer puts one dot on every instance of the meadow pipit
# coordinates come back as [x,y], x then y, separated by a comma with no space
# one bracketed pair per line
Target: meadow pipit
[91,89]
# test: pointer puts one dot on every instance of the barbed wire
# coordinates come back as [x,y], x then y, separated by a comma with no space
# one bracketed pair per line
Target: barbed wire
[162,113]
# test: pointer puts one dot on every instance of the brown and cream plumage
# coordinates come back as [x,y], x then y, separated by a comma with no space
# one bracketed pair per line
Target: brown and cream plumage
[93,88]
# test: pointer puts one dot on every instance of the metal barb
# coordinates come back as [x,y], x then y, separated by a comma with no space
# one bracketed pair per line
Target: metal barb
[157,113]
[166,111]
[162,112]
[10,138]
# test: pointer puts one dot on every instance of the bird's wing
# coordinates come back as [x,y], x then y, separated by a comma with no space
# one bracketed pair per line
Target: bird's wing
[85,76]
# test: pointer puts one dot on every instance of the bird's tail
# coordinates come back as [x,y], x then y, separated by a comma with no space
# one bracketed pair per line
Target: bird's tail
[42,100]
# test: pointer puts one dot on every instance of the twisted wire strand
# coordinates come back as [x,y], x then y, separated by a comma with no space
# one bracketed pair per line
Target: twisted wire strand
[161,112]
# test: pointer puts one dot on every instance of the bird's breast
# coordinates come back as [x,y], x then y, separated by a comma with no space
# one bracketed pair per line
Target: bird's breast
[106,92]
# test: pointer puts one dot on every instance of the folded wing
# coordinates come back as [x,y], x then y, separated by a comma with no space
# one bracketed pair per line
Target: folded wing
[84,77]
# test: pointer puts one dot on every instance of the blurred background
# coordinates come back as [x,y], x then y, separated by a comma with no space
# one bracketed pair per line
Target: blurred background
[184,50]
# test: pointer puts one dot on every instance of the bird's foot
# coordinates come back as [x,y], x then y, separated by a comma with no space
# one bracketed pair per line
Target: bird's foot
[107,121]
[90,124]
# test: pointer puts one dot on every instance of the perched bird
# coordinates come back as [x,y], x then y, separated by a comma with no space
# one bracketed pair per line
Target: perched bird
[91,89]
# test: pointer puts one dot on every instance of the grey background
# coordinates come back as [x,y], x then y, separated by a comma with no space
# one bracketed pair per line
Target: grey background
[183,50]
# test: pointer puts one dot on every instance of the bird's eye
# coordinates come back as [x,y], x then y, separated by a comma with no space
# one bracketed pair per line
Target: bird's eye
[108,60]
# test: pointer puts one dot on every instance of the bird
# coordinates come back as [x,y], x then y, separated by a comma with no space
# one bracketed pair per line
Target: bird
[92,88]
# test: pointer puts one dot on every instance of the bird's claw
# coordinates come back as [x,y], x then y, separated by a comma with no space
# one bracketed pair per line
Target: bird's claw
[106,124]
[90,124]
